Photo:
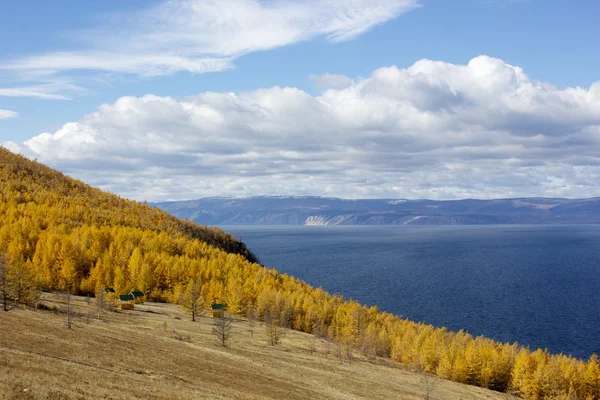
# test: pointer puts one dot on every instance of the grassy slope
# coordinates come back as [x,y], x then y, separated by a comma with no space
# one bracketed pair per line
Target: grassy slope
[156,352]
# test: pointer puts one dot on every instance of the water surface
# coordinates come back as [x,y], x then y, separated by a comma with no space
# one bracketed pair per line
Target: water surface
[536,285]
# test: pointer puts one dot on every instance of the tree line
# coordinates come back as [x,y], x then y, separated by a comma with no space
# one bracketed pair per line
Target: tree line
[64,235]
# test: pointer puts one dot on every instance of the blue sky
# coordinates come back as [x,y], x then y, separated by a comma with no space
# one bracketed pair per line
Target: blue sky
[74,74]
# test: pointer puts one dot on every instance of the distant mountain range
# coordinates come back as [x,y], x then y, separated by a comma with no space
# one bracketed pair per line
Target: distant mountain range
[292,210]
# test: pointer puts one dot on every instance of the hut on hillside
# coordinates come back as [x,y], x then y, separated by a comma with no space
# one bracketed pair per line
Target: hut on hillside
[110,293]
[217,310]
[138,297]
[126,302]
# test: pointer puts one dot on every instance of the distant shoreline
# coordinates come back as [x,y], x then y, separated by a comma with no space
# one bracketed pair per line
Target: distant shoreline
[319,211]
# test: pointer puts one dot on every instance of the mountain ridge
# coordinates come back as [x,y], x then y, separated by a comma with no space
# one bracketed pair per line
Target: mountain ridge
[314,210]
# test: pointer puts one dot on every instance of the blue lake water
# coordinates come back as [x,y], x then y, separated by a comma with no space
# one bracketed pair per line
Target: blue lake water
[536,285]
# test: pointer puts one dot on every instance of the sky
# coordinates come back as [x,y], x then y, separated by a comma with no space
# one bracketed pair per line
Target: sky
[170,99]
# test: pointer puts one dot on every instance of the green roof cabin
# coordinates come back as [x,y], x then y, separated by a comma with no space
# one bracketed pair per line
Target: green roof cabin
[126,301]
[138,297]
[217,310]
[110,293]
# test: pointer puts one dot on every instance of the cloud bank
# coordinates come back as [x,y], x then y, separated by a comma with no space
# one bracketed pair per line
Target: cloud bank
[432,130]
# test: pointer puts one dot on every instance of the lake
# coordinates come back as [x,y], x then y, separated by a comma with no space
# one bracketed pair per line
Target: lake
[535,285]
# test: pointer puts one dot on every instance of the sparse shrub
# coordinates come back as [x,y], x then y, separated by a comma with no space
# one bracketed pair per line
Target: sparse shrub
[21,391]
[182,336]
[57,395]
[48,307]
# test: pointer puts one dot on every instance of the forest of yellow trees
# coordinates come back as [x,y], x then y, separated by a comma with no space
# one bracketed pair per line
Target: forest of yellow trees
[64,235]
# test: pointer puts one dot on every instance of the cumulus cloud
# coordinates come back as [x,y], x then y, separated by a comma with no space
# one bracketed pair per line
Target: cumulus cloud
[431,130]
[208,35]
[7,114]
[330,81]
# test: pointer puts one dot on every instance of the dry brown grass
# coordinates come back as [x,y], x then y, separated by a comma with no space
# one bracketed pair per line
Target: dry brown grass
[156,352]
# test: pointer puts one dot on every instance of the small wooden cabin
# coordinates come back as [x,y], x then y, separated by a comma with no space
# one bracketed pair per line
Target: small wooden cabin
[110,293]
[138,297]
[217,310]
[126,302]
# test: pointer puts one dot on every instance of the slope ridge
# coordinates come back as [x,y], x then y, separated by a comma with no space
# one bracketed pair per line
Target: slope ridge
[73,203]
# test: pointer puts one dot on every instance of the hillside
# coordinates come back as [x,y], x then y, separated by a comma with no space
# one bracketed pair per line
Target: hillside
[60,234]
[156,352]
[49,199]
[332,211]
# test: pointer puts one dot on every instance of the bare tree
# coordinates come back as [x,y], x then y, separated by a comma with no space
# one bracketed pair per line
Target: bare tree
[360,321]
[368,344]
[222,328]
[327,346]
[319,329]
[100,302]
[338,351]
[312,345]
[5,281]
[69,318]
[66,298]
[251,315]
[191,299]
[88,302]
[349,355]
[274,326]
[428,386]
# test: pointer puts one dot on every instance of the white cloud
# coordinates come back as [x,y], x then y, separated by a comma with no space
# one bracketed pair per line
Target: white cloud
[7,114]
[432,130]
[330,81]
[140,64]
[48,91]
[208,35]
